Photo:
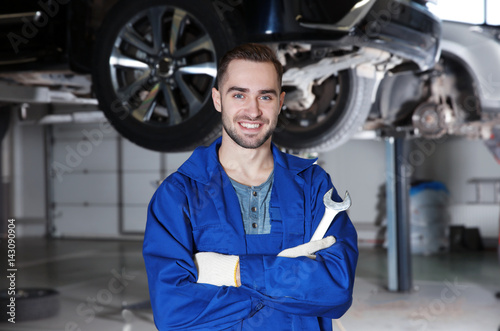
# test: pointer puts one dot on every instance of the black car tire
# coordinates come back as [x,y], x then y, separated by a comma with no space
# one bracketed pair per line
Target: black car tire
[31,304]
[341,107]
[168,107]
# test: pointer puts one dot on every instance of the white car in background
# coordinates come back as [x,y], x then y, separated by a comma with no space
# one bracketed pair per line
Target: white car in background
[461,94]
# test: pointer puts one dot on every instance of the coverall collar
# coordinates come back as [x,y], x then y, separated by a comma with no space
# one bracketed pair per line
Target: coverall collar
[192,169]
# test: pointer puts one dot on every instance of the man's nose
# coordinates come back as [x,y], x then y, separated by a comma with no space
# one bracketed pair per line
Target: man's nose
[253,108]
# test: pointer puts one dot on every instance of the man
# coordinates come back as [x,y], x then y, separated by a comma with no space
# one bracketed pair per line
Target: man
[216,226]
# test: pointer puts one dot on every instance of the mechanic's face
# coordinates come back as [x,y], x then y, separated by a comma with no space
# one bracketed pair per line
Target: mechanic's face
[249,101]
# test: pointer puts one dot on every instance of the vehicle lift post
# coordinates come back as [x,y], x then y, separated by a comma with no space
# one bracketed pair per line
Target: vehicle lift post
[398,217]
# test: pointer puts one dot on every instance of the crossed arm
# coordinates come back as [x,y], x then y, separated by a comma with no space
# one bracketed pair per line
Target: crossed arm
[224,270]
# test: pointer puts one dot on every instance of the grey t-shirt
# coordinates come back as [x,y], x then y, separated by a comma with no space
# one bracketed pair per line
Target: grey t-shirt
[254,205]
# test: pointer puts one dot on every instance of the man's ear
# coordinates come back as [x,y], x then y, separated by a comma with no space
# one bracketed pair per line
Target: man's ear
[216,99]
[282,100]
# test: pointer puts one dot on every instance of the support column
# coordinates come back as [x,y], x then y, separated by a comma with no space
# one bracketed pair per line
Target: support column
[398,216]
[4,201]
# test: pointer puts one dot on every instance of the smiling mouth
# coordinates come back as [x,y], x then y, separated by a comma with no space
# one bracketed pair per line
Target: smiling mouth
[250,125]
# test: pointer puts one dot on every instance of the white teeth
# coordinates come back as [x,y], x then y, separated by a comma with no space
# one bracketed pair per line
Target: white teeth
[250,126]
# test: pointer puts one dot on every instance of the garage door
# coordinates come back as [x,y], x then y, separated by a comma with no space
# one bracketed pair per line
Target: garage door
[101,183]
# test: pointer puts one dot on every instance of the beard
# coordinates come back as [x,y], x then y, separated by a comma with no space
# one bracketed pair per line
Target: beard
[250,142]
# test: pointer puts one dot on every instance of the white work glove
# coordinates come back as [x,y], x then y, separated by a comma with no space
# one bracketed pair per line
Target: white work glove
[309,248]
[217,269]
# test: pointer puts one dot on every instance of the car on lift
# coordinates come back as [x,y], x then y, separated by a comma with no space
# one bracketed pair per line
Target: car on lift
[153,63]
[459,96]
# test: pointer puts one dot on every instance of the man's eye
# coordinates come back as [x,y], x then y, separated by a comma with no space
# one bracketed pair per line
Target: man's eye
[238,96]
[266,97]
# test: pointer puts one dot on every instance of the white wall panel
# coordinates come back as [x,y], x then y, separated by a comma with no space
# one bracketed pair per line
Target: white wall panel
[134,219]
[86,222]
[69,156]
[83,188]
[454,161]
[358,167]
[138,158]
[484,217]
[28,172]
[86,181]
[94,131]
[106,182]
[175,160]
[138,188]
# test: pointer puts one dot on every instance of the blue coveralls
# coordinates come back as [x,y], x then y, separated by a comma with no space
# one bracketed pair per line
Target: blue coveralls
[196,209]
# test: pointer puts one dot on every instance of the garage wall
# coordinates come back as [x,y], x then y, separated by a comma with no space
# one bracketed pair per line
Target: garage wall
[359,167]
[101,186]
[84,195]
[455,161]
[25,175]
[102,183]
[28,171]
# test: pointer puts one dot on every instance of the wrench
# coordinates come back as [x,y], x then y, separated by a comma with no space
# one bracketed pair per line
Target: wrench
[332,208]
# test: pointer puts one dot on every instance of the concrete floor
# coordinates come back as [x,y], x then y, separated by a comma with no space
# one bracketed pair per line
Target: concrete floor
[452,291]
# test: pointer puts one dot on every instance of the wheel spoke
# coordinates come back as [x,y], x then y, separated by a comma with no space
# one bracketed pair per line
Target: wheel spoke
[118,59]
[145,110]
[155,16]
[131,37]
[190,95]
[172,108]
[127,92]
[208,68]
[203,43]
[176,28]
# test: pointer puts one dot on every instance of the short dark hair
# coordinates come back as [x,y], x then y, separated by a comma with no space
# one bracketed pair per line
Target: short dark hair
[249,52]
